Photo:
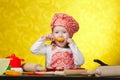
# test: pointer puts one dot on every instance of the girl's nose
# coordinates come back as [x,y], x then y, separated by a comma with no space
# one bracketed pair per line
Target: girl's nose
[60,35]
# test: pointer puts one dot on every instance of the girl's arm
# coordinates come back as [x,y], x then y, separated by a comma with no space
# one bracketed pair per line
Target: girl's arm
[78,57]
[39,47]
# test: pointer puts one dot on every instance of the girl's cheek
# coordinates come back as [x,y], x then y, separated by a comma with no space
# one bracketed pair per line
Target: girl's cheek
[55,36]
[66,37]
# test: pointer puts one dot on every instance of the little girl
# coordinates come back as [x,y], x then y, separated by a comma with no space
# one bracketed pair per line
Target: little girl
[63,52]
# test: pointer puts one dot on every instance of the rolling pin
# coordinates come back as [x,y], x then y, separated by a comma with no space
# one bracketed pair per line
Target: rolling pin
[103,71]
[74,72]
[59,73]
[107,71]
[69,72]
[32,67]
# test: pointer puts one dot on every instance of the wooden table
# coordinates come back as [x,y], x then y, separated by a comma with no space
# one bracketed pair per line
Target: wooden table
[52,77]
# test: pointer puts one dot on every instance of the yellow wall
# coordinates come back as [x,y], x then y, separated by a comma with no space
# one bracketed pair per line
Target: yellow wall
[22,22]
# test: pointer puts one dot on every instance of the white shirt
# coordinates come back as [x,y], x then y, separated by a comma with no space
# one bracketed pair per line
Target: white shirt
[40,48]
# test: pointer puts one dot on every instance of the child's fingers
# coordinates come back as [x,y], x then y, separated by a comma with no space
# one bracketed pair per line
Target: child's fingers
[69,40]
[49,37]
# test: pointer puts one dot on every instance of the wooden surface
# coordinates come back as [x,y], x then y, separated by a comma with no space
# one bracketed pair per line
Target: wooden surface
[51,77]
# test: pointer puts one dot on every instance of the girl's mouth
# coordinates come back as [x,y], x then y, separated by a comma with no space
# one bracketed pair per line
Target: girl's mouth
[61,40]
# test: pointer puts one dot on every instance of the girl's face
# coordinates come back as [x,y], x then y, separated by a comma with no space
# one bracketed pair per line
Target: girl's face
[60,32]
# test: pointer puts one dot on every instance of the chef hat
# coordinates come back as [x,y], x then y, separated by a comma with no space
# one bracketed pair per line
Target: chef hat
[66,21]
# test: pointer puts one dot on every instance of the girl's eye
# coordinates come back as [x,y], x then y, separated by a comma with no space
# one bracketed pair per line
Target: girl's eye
[64,32]
[56,32]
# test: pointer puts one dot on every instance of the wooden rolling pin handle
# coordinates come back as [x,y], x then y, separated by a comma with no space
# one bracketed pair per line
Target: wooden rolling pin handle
[60,73]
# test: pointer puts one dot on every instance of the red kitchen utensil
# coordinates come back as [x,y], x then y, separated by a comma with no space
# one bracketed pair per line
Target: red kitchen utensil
[15,62]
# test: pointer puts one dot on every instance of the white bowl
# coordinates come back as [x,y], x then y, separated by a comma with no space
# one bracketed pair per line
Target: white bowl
[17,69]
[4,63]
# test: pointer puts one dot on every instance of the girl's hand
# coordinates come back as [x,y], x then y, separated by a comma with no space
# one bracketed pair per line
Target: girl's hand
[49,37]
[70,40]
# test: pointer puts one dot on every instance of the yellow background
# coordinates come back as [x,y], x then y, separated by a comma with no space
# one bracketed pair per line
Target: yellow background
[22,22]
